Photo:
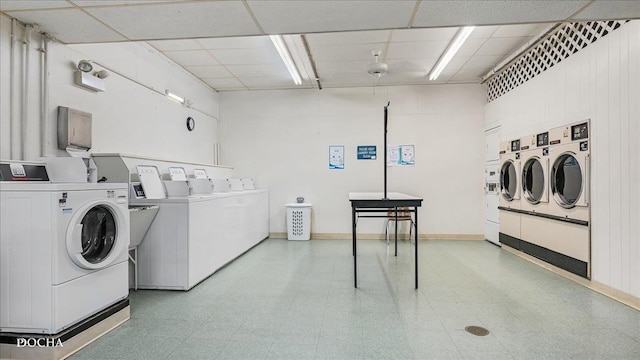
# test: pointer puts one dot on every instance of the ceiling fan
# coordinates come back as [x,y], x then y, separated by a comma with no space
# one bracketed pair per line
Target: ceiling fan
[377,69]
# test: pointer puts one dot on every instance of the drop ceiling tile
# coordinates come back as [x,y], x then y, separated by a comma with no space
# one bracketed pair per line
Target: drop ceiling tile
[269,82]
[353,37]
[278,17]
[418,77]
[521,30]
[480,62]
[12,5]
[492,12]
[471,46]
[192,57]
[610,10]
[247,56]
[346,52]
[467,76]
[178,20]
[483,32]
[175,45]
[342,67]
[259,70]
[69,25]
[411,66]
[416,50]
[244,42]
[501,46]
[435,34]
[83,3]
[349,80]
[226,84]
[209,71]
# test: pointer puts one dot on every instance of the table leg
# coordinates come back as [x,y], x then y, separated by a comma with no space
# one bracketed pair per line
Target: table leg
[416,247]
[355,257]
[396,236]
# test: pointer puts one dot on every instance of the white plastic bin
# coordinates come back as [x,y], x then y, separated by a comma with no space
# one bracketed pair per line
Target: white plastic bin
[298,221]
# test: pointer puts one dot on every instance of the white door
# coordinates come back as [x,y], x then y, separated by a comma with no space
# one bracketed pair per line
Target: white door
[492,185]
[492,144]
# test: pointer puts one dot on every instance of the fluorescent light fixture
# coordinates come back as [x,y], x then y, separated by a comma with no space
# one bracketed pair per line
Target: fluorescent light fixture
[175,97]
[278,42]
[453,48]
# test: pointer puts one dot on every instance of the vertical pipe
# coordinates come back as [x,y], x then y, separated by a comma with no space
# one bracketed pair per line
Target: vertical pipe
[44,94]
[11,87]
[25,92]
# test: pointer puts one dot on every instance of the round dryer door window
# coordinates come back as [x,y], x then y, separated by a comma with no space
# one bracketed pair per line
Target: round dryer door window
[566,180]
[533,180]
[98,234]
[508,180]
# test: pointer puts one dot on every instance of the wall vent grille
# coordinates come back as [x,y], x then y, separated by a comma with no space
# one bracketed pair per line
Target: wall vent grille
[564,42]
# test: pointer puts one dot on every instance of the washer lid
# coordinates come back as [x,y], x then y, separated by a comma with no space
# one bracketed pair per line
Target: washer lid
[151,182]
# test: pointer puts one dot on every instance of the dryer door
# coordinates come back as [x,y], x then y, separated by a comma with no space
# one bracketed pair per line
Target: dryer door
[509,180]
[534,177]
[95,240]
[568,180]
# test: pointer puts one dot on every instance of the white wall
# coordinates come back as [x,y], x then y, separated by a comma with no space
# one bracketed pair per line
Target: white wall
[601,83]
[282,138]
[127,118]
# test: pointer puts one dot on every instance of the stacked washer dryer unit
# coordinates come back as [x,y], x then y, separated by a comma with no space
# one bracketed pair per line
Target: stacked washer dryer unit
[510,193]
[63,249]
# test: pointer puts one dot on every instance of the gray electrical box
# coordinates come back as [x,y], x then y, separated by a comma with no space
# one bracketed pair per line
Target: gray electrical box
[74,128]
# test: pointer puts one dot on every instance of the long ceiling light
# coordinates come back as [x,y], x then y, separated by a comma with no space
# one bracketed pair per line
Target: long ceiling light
[175,97]
[453,48]
[278,42]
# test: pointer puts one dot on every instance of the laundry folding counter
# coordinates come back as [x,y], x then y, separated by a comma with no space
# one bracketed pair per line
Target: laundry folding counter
[376,203]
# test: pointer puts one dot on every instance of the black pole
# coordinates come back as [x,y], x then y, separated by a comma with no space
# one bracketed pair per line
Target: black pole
[385,149]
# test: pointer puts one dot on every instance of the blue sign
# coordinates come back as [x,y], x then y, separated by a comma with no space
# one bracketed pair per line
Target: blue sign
[367,152]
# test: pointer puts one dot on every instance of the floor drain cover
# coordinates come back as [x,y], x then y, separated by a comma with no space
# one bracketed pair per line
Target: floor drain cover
[477,330]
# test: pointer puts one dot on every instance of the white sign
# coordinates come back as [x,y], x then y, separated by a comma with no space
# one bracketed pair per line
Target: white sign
[401,155]
[336,157]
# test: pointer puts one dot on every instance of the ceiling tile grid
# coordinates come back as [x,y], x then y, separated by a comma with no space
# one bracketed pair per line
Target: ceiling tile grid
[309,16]
[178,20]
[224,43]
[77,27]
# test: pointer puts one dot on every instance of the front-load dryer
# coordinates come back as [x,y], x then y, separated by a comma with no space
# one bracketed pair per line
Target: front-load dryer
[534,184]
[63,252]
[558,231]
[569,180]
[509,203]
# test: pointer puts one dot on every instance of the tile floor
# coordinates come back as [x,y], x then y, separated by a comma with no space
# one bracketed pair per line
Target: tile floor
[295,300]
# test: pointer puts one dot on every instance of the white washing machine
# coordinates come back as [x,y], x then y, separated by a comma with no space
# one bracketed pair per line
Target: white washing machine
[63,249]
[509,204]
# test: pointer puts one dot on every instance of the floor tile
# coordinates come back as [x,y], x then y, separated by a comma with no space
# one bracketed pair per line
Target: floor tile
[296,300]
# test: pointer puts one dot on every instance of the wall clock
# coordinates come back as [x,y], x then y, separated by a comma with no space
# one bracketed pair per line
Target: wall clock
[191,123]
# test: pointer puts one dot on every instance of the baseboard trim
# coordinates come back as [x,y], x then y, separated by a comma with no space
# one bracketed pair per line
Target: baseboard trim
[615,294]
[347,236]
[71,345]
